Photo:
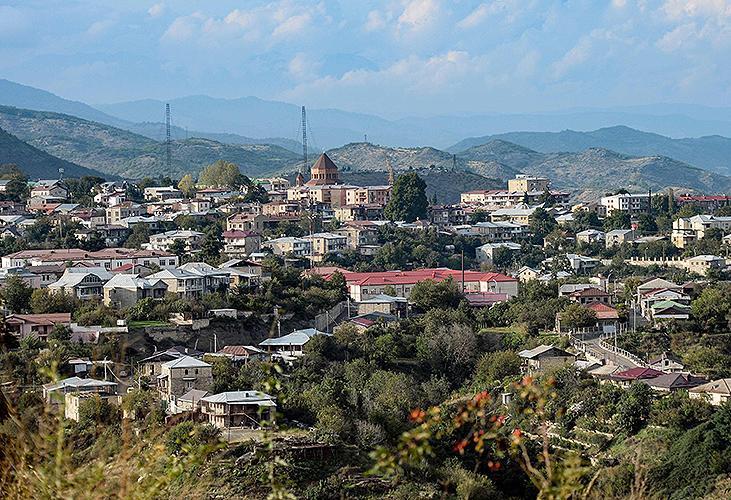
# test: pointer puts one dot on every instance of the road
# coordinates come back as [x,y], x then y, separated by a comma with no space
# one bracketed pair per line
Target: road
[596,350]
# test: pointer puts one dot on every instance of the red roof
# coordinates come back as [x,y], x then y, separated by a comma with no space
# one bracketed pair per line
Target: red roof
[48,319]
[407,277]
[603,311]
[637,374]
[485,298]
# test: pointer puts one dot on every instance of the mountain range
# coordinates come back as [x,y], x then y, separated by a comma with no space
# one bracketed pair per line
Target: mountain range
[37,164]
[124,140]
[709,152]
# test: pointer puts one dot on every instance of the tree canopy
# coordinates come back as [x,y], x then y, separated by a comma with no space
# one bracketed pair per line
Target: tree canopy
[408,199]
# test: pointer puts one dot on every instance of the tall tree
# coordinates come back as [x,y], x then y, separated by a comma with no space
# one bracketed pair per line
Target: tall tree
[408,199]
[187,185]
[16,294]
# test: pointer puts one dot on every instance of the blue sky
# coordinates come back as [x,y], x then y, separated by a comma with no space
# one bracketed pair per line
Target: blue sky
[389,57]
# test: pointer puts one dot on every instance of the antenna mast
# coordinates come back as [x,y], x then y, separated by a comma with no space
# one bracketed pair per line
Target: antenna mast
[167,136]
[304,140]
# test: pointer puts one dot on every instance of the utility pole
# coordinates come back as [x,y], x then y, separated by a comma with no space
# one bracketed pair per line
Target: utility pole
[463,271]
[304,140]
[167,137]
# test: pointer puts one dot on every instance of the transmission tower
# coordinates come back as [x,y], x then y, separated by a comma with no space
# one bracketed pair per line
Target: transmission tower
[167,137]
[304,140]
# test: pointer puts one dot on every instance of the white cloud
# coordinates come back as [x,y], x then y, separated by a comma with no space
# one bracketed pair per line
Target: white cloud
[475,17]
[678,37]
[419,15]
[576,56]
[184,27]
[679,9]
[303,67]
[99,27]
[293,25]
[156,10]
[375,21]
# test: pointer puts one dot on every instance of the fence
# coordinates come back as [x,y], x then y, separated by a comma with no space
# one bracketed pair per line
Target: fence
[324,320]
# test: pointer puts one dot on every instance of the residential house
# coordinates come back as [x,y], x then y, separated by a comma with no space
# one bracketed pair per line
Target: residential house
[617,237]
[324,244]
[75,384]
[544,357]
[290,245]
[180,375]
[716,392]
[238,409]
[386,304]
[590,236]
[359,236]
[290,345]
[486,252]
[671,382]
[74,400]
[124,210]
[667,363]
[627,377]
[49,189]
[241,243]
[85,283]
[689,229]
[152,365]
[39,325]
[162,193]
[590,295]
[125,290]
[191,400]
[162,241]
[243,272]
[192,280]
[519,215]
[241,353]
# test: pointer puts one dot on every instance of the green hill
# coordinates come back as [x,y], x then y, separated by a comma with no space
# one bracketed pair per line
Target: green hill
[118,152]
[37,164]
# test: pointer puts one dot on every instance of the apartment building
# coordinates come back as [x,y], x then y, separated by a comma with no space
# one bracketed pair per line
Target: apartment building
[687,230]
[123,210]
[325,243]
[162,193]
[162,241]
[109,258]
[287,245]
[632,203]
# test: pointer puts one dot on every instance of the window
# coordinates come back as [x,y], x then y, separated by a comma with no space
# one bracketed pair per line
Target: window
[186,371]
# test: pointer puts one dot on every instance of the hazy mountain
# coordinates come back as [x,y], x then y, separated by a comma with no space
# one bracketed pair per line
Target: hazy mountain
[37,164]
[710,152]
[328,128]
[23,96]
[26,97]
[590,172]
[119,152]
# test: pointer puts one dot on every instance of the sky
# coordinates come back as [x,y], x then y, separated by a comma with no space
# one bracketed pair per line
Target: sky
[388,57]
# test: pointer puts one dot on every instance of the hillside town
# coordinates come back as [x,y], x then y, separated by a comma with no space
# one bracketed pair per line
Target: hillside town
[177,305]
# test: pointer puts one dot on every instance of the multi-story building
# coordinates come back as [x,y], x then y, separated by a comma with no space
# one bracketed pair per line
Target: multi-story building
[363,286]
[116,213]
[238,409]
[109,258]
[705,203]
[325,243]
[49,189]
[180,375]
[274,184]
[687,230]
[631,203]
[367,195]
[290,245]
[241,243]
[37,325]
[162,241]
[525,183]
[162,193]
[192,280]
[359,234]
[124,290]
[84,283]
[518,215]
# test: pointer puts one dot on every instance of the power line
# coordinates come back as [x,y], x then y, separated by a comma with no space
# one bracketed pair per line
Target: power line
[167,137]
